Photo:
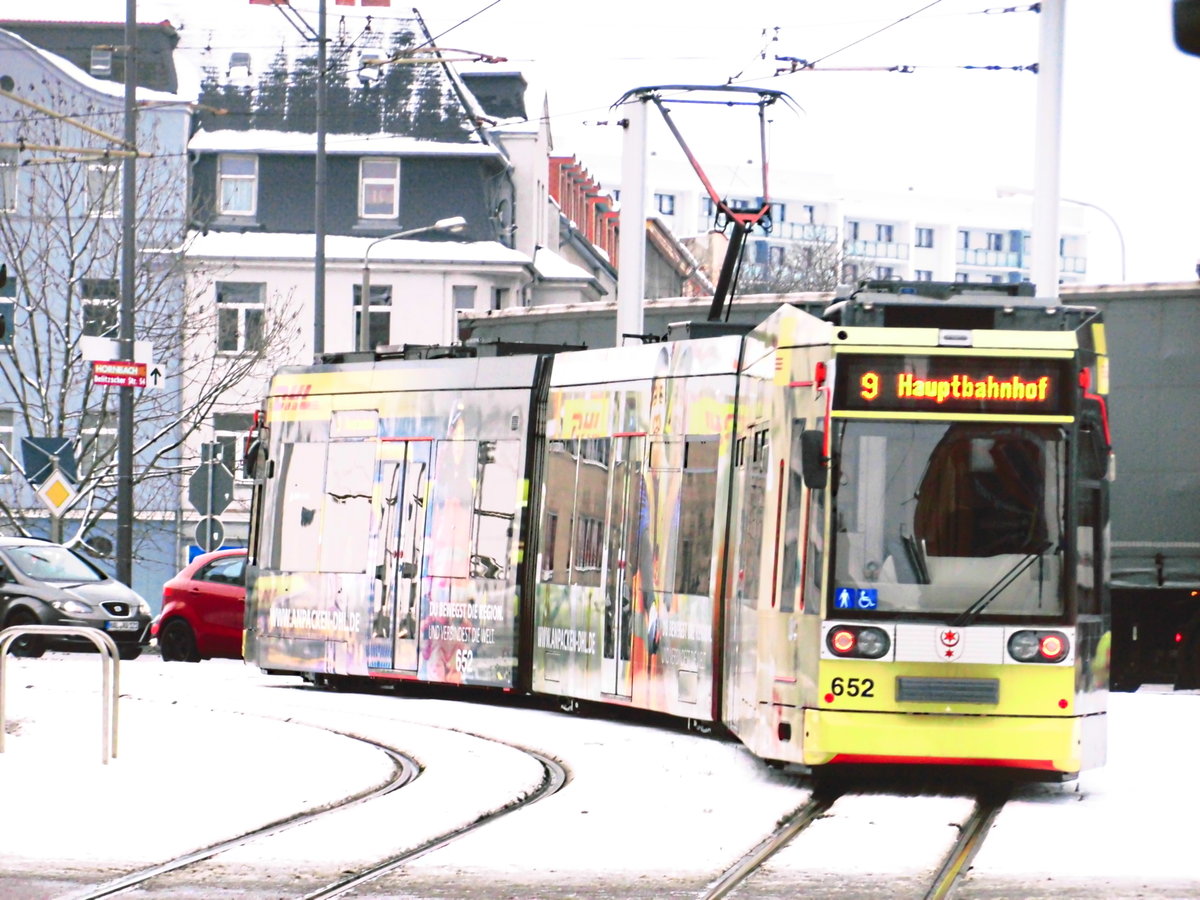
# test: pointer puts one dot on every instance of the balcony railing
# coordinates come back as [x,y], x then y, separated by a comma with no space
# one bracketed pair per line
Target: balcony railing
[804,231]
[993,259]
[877,249]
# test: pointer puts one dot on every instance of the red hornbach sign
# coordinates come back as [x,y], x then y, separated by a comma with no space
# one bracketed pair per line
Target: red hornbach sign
[960,384]
[119,374]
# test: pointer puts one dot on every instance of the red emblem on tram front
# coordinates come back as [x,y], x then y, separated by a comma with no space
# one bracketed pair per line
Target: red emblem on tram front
[950,643]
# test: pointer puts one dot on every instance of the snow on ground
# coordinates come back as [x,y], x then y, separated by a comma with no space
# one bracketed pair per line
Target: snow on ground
[218,747]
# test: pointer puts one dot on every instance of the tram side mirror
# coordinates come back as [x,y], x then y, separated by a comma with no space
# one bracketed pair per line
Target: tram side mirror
[1093,447]
[812,459]
[254,458]
[1186,17]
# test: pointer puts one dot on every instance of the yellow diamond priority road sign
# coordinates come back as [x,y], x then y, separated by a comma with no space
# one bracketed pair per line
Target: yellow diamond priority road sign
[56,492]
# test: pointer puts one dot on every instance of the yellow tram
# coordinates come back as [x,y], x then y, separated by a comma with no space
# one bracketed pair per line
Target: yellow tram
[938,575]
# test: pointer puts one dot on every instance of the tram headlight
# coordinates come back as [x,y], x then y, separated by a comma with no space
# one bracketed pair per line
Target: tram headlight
[1038,646]
[858,641]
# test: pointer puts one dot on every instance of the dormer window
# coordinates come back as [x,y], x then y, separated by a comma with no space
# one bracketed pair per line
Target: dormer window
[379,188]
[237,187]
[100,65]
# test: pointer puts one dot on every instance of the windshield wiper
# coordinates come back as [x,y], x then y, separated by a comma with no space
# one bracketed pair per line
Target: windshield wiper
[915,550]
[971,613]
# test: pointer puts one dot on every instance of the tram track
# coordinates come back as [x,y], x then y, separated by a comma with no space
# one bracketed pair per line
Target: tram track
[955,863]
[405,771]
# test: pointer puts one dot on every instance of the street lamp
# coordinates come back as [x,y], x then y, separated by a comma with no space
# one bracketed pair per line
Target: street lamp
[454,224]
[1013,191]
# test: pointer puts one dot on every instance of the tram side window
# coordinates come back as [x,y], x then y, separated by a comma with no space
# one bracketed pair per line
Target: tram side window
[792,516]
[498,462]
[1089,535]
[293,543]
[350,477]
[591,499]
[558,508]
[753,504]
[448,545]
[814,557]
[624,544]
[696,515]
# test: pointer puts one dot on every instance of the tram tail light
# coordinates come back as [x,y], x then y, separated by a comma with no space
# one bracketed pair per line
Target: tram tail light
[1038,646]
[858,641]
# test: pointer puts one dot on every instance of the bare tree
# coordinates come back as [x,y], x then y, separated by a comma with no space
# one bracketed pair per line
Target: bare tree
[803,266]
[60,239]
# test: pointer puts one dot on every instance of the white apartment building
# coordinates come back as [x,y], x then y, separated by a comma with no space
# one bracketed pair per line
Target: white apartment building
[907,235]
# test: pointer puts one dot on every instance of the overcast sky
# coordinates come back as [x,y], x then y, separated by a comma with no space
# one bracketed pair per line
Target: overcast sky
[1129,127]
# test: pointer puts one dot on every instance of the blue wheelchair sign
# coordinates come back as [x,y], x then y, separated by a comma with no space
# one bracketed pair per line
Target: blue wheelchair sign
[856,598]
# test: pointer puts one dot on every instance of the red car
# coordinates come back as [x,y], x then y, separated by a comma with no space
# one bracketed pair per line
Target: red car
[202,609]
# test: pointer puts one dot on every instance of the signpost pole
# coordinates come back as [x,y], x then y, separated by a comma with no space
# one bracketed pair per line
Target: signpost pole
[128,249]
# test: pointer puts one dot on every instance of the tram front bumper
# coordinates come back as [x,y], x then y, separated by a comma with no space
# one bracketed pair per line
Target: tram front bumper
[1043,743]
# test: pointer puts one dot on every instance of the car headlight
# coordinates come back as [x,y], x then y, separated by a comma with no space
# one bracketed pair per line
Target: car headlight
[143,608]
[71,607]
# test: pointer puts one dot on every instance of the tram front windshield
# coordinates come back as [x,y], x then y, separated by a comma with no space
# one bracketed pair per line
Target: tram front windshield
[935,518]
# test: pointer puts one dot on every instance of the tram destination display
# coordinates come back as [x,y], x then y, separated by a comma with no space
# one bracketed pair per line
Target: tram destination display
[951,384]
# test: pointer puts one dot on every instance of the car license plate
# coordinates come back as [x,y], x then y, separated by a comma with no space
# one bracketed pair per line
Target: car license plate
[121,626]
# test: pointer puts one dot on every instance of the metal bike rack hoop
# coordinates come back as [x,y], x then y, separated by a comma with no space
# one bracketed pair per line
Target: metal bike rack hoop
[109,666]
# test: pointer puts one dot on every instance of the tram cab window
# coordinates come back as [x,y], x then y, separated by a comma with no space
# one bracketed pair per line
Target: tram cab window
[696,515]
[935,516]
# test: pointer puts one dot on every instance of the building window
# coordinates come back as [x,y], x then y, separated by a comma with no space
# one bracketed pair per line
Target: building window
[229,432]
[6,442]
[101,306]
[923,275]
[884,273]
[103,190]
[499,298]
[379,326]
[778,212]
[810,214]
[885,234]
[7,307]
[850,273]
[8,178]
[995,240]
[924,237]
[775,257]
[996,279]
[237,184]
[961,277]
[852,231]
[379,188]
[240,312]
[464,297]
[964,240]
[665,203]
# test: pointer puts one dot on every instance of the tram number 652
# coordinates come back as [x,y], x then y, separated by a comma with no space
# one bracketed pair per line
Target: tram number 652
[853,687]
[462,660]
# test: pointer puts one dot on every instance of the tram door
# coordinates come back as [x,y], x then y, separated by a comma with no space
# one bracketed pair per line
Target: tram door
[405,484]
[624,516]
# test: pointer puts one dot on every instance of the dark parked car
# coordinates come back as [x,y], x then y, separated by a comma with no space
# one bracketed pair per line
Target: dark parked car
[202,609]
[43,583]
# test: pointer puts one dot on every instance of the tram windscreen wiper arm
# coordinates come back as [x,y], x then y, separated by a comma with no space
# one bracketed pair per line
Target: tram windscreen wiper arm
[971,613]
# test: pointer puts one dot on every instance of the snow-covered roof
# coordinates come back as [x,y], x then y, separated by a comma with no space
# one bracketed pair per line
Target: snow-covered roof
[302,142]
[72,72]
[551,266]
[342,248]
